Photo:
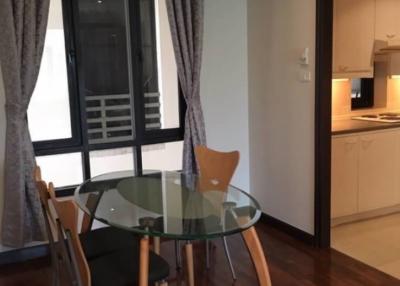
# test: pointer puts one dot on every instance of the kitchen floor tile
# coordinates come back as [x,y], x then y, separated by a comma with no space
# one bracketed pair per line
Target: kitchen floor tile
[375,242]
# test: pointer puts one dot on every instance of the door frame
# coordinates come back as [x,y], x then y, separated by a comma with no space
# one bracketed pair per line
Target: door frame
[323,118]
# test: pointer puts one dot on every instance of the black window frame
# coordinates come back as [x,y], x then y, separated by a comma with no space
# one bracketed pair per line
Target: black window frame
[70,53]
[79,141]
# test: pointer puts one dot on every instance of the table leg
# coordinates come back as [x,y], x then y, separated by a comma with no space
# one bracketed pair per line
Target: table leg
[156,249]
[144,262]
[189,263]
[257,255]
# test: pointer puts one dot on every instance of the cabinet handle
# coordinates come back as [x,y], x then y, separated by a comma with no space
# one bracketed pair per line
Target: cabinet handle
[390,36]
[349,144]
[343,68]
[366,142]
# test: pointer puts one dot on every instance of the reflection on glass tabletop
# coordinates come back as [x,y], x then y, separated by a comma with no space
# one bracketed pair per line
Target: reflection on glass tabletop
[167,204]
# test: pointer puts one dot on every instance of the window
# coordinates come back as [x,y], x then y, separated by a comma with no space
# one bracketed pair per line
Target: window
[166,156]
[168,74]
[108,89]
[62,169]
[49,113]
[111,160]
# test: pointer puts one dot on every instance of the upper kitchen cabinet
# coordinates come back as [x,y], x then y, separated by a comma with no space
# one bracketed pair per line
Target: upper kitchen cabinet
[387,26]
[353,32]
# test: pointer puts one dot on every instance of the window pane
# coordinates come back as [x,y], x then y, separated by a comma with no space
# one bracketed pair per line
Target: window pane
[49,109]
[159,68]
[104,39]
[112,160]
[167,157]
[63,170]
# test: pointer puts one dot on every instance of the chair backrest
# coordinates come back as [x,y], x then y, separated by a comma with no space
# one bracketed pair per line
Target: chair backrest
[50,221]
[68,213]
[41,187]
[216,168]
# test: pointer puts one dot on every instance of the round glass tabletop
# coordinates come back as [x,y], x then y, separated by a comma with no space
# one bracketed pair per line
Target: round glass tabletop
[167,204]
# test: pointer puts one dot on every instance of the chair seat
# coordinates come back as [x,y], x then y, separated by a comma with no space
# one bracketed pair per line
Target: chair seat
[121,268]
[106,240]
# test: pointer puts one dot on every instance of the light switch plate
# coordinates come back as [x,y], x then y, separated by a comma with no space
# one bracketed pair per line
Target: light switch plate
[305,76]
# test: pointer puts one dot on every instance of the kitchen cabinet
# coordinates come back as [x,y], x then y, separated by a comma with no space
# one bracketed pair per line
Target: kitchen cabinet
[353,38]
[387,24]
[365,172]
[378,170]
[344,176]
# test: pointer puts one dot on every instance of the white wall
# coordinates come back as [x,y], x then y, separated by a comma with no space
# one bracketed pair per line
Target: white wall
[282,109]
[2,142]
[254,102]
[224,81]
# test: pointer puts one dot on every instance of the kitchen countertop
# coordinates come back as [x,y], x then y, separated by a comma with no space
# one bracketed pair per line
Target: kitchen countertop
[348,126]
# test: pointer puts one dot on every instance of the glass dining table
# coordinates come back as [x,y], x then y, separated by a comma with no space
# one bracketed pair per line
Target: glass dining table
[176,206]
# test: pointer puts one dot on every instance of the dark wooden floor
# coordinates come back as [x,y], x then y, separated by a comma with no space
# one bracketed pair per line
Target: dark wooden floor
[291,263]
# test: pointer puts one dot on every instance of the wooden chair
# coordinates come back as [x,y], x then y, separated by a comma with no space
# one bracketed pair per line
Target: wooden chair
[216,172]
[216,168]
[118,267]
[50,225]
[95,243]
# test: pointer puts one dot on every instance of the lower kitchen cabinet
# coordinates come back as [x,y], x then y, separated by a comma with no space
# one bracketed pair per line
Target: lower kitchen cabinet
[344,176]
[378,171]
[365,172]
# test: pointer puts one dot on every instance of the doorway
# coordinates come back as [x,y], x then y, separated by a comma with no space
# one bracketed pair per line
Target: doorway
[357,209]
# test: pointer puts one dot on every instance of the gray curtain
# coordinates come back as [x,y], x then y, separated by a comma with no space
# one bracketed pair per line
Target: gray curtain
[186,19]
[23,26]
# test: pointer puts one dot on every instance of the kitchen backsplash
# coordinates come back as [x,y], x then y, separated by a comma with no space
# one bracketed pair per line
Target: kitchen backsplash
[341,99]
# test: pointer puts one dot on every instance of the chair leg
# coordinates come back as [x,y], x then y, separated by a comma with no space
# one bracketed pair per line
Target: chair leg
[178,256]
[208,254]
[56,273]
[54,278]
[77,281]
[55,265]
[67,256]
[228,256]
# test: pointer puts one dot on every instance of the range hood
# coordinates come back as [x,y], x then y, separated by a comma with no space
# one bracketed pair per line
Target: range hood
[388,54]
[389,50]
[387,47]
